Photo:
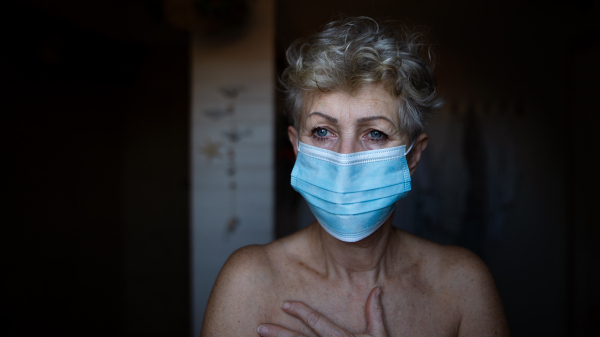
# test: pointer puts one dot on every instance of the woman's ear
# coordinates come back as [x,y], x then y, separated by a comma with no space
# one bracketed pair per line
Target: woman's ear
[415,155]
[293,134]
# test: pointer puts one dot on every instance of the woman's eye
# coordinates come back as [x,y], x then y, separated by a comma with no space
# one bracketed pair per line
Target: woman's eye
[321,132]
[376,134]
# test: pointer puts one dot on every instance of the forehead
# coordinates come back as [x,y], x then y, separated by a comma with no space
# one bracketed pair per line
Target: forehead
[368,101]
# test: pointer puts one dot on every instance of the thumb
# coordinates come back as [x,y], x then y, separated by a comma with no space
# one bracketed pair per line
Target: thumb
[375,325]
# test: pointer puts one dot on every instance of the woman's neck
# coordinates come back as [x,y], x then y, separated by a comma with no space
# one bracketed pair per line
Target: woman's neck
[366,259]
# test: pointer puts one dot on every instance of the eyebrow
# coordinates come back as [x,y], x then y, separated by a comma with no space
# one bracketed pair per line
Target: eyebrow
[367,119]
[360,120]
[333,120]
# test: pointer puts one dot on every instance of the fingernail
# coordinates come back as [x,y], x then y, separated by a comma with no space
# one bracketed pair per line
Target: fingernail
[262,329]
[285,305]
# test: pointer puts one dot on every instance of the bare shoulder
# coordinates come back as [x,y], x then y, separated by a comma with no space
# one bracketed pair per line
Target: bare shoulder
[463,269]
[475,291]
[234,304]
[449,265]
[465,280]
[244,287]
[248,266]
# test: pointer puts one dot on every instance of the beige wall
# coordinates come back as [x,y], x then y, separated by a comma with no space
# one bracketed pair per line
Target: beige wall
[218,194]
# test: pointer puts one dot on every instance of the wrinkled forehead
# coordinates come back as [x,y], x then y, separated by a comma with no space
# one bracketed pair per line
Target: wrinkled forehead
[347,106]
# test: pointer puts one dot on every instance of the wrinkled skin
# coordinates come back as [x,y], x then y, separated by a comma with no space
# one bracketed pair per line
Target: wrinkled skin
[425,289]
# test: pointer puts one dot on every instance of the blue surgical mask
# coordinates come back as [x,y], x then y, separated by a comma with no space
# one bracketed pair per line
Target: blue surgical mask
[351,195]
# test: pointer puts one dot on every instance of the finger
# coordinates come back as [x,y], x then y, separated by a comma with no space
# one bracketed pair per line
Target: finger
[319,324]
[374,310]
[270,330]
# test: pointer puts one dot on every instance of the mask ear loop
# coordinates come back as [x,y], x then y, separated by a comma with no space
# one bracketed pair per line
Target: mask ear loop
[410,148]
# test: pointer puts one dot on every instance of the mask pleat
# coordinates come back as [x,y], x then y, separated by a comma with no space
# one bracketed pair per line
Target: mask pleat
[351,195]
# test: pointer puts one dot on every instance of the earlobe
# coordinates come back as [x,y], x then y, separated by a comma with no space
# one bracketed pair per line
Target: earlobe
[292,135]
[418,148]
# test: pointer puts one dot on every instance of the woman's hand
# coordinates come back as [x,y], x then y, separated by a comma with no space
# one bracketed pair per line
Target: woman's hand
[322,326]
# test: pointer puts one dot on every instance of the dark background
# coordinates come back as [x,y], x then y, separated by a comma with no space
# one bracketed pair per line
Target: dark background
[96,147]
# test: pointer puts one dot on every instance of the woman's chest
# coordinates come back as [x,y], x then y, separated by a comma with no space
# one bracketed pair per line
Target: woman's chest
[406,311]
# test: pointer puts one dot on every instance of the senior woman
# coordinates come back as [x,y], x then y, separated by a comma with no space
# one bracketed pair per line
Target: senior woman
[359,94]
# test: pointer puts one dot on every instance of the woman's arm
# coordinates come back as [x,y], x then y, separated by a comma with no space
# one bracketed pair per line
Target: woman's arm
[477,296]
[234,307]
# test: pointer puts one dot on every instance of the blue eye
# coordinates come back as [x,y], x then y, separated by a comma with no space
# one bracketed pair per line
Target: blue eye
[322,132]
[376,134]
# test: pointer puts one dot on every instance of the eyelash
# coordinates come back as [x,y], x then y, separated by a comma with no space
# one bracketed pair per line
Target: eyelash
[383,137]
[317,137]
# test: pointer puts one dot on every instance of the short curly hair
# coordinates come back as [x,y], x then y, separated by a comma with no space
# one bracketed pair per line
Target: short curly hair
[355,51]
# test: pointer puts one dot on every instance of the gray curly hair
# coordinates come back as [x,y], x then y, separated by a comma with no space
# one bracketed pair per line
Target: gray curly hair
[355,51]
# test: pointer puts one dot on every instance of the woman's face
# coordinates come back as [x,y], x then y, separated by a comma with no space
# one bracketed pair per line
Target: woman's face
[347,123]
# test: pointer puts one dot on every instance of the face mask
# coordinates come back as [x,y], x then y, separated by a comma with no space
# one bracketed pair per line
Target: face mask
[351,195]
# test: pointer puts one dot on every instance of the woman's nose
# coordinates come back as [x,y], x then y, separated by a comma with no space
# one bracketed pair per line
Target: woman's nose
[349,145]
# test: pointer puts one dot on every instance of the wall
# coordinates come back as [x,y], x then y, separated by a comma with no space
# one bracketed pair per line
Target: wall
[233,87]
[498,176]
